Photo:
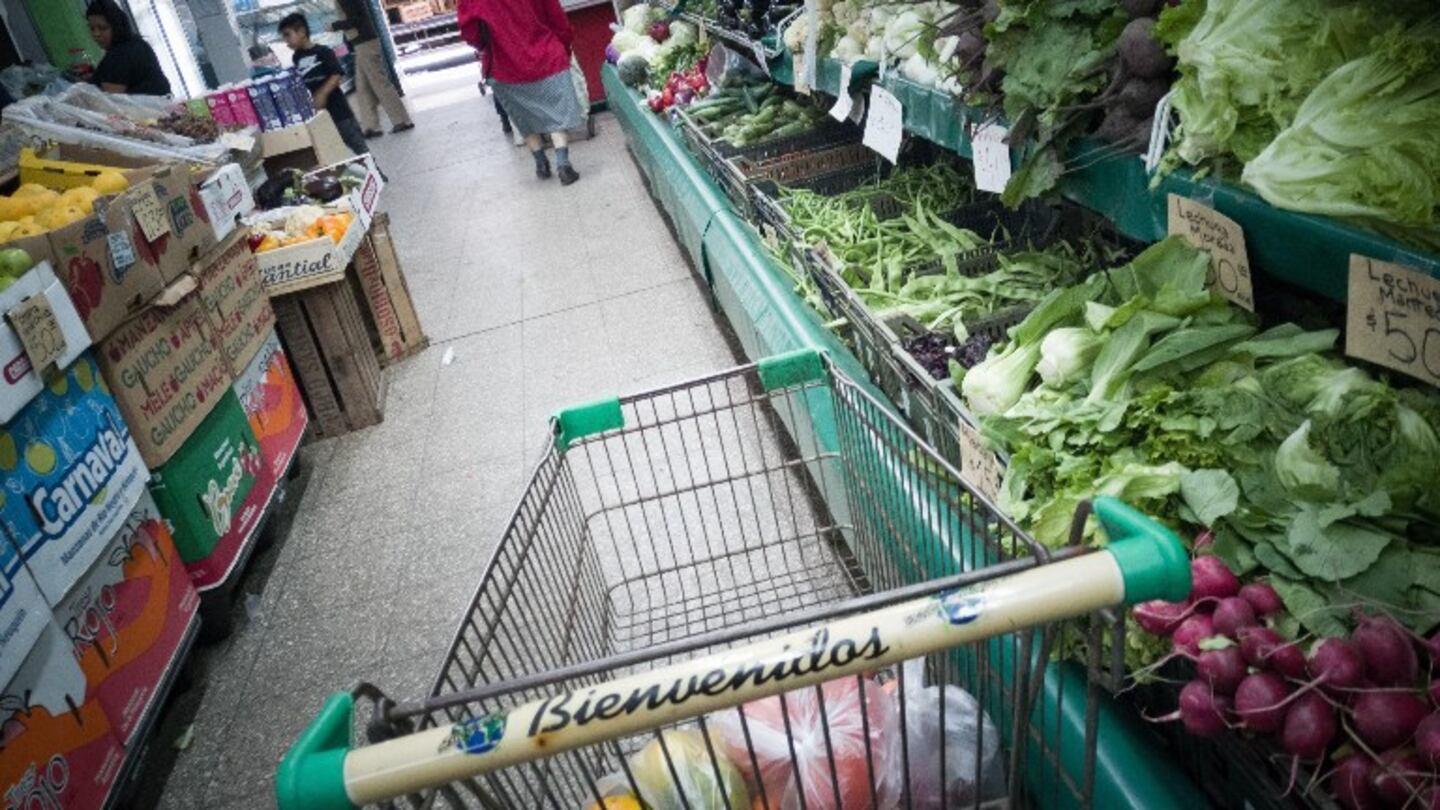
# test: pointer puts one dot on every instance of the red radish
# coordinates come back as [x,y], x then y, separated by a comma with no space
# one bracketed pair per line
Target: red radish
[1232,615]
[1427,739]
[1336,665]
[1265,648]
[1160,618]
[1386,719]
[1223,669]
[1202,711]
[1350,784]
[1263,598]
[1187,637]
[1260,701]
[1211,579]
[1388,652]
[1309,726]
[1398,777]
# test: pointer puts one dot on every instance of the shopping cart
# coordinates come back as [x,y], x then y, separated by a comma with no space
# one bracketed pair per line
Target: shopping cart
[683,556]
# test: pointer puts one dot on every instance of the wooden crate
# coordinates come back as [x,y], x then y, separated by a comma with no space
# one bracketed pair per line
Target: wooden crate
[329,345]
[420,10]
[394,324]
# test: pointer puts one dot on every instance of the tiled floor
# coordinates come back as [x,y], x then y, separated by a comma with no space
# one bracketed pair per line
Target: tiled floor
[538,296]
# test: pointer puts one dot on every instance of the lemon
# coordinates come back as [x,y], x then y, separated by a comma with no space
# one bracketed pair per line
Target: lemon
[82,197]
[58,216]
[38,201]
[9,454]
[28,229]
[32,189]
[7,231]
[12,209]
[40,458]
[110,182]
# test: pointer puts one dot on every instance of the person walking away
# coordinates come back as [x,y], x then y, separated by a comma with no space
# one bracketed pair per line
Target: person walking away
[525,46]
[322,74]
[373,87]
[129,65]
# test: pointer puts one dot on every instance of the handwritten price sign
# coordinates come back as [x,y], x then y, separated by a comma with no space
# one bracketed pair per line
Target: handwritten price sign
[147,209]
[1393,318]
[40,334]
[991,155]
[884,126]
[1221,237]
[979,466]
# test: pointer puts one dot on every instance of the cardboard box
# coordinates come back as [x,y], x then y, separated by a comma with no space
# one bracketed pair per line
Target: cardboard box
[99,262]
[265,106]
[213,495]
[58,751]
[225,196]
[271,398]
[305,146]
[19,380]
[127,618]
[166,375]
[241,107]
[24,613]
[235,303]
[72,475]
[309,264]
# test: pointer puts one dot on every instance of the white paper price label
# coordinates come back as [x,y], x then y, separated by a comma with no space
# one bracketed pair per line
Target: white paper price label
[1392,317]
[980,468]
[991,156]
[1221,237]
[149,211]
[122,249]
[843,100]
[884,126]
[39,331]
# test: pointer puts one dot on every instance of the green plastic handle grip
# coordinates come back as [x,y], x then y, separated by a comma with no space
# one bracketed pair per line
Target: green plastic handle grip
[312,774]
[1151,557]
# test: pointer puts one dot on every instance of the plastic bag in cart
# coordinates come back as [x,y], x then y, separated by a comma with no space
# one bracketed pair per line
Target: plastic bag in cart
[690,764]
[810,773]
[962,733]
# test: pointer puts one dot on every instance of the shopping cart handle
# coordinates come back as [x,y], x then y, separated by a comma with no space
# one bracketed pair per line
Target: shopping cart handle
[312,774]
[1151,558]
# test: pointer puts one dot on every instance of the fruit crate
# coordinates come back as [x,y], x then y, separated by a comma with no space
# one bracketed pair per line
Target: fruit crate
[328,342]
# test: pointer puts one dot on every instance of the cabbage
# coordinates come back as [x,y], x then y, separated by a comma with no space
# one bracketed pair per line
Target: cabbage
[638,17]
[683,32]
[626,40]
[1304,472]
[1365,144]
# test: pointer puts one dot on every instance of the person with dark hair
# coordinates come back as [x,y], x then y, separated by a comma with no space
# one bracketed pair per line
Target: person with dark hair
[320,69]
[129,64]
[525,46]
[373,86]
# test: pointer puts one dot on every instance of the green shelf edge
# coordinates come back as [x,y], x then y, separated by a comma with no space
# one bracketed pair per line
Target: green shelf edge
[768,318]
[1310,252]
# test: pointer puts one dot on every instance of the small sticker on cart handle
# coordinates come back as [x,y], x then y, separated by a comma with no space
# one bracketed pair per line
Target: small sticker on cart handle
[961,607]
[479,735]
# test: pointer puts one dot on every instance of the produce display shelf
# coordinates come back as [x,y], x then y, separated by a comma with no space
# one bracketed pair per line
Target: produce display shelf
[1310,252]
[767,316]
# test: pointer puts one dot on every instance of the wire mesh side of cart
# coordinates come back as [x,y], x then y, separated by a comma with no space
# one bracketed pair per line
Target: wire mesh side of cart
[726,505]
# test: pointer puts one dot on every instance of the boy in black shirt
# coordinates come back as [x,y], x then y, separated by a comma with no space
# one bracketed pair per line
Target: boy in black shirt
[321,70]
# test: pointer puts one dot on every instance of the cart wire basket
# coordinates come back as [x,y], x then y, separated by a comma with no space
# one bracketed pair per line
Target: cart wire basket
[757,589]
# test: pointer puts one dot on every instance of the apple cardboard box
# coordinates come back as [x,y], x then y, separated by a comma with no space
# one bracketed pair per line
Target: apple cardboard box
[126,619]
[72,475]
[211,493]
[19,381]
[24,613]
[225,197]
[177,233]
[166,375]
[58,751]
[235,302]
[271,398]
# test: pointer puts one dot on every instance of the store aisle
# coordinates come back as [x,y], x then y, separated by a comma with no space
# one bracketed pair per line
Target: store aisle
[534,296]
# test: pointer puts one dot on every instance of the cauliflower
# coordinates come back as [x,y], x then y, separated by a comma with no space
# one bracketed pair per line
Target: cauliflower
[917,70]
[902,34]
[683,33]
[795,35]
[848,50]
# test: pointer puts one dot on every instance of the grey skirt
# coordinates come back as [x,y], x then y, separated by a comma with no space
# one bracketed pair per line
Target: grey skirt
[547,105]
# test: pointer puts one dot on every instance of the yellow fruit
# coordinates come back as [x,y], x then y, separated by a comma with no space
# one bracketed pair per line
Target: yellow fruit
[40,457]
[617,803]
[110,182]
[9,455]
[82,197]
[58,216]
[12,209]
[7,231]
[30,228]
[59,384]
[38,201]
[32,189]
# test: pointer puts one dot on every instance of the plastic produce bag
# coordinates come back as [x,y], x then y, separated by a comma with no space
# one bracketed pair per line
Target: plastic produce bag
[810,773]
[695,770]
[962,734]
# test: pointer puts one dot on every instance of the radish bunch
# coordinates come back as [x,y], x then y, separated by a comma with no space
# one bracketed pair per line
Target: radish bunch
[1361,709]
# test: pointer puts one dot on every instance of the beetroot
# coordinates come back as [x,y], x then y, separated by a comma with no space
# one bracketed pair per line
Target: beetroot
[1309,726]
[1389,656]
[1195,629]
[1386,719]
[1398,777]
[1427,739]
[1232,615]
[1263,598]
[1336,665]
[1432,645]
[1265,648]
[1211,579]
[1223,669]
[1202,711]
[1260,701]
[1350,783]
[1140,8]
[1140,53]
[1160,618]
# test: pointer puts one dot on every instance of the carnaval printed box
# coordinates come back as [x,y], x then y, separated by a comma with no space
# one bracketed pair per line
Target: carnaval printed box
[271,398]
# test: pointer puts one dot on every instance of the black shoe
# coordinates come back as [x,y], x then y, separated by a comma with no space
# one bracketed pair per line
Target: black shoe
[398,128]
[568,174]
[542,170]
[507,129]
[373,133]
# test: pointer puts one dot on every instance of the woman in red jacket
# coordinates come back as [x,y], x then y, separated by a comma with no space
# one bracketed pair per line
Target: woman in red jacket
[525,46]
